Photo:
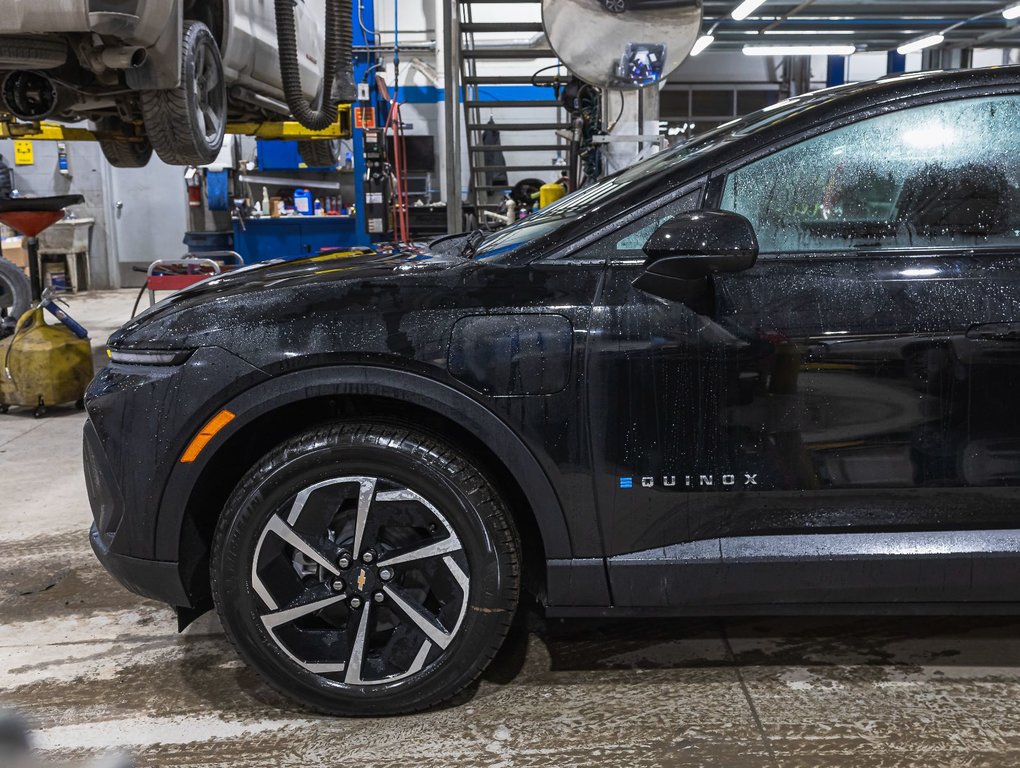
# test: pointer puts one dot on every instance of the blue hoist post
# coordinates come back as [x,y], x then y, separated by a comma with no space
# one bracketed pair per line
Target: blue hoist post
[365,65]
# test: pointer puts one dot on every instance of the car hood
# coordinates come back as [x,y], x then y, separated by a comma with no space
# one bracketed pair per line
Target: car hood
[271,291]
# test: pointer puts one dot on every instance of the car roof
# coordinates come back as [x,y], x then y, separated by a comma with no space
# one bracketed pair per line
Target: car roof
[792,117]
[818,106]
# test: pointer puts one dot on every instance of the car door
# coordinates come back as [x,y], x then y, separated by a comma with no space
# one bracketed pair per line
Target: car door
[251,56]
[838,423]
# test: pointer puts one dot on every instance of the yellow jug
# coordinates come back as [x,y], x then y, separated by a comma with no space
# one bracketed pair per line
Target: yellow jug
[43,365]
[550,193]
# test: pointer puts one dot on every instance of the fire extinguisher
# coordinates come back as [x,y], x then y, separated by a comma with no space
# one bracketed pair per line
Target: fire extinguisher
[193,179]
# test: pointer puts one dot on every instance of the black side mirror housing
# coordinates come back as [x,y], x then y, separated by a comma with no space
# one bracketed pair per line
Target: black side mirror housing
[693,246]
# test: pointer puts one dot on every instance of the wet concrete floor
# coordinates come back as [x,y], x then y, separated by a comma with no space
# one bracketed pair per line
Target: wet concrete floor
[96,668]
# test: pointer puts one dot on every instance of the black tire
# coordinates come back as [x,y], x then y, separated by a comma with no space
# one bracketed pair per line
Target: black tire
[15,290]
[32,52]
[259,574]
[123,154]
[186,124]
[320,154]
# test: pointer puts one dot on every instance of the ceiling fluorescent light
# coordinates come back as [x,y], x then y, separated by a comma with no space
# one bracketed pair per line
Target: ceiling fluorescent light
[799,50]
[920,44]
[812,32]
[1012,12]
[746,8]
[703,42]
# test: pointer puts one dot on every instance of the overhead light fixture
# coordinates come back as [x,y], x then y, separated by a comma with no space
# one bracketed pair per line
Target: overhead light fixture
[920,44]
[1012,12]
[703,42]
[746,8]
[799,50]
[812,32]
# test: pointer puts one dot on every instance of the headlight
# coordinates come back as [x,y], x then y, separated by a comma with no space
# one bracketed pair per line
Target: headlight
[149,356]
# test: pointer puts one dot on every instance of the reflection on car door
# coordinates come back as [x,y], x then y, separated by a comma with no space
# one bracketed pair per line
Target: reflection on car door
[838,423]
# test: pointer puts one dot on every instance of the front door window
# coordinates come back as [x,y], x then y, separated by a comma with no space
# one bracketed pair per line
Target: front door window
[938,176]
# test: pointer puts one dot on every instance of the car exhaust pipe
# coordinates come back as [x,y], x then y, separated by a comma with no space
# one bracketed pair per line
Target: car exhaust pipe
[128,57]
[240,93]
[33,96]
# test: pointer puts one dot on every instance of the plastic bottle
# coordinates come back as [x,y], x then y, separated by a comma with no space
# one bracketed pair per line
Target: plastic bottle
[303,202]
[265,200]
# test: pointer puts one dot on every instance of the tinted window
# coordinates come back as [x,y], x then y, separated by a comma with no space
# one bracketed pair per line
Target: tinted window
[943,175]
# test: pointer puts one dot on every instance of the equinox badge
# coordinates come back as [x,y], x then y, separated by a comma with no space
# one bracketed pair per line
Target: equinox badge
[691,481]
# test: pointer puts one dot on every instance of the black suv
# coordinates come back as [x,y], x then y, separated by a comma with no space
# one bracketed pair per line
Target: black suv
[775,369]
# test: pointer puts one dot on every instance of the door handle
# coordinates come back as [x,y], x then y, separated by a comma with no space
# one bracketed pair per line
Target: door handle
[995,332]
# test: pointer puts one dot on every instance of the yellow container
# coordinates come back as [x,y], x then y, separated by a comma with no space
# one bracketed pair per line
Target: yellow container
[550,193]
[43,365]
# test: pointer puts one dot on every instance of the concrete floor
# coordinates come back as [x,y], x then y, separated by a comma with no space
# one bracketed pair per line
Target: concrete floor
[95,668]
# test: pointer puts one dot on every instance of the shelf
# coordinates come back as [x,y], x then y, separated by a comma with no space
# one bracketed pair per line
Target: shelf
[285,181]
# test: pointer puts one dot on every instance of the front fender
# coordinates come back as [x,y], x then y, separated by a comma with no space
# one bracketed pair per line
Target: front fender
[408,387]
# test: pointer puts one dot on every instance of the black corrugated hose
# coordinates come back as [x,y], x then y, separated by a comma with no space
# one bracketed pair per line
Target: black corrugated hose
[338,52]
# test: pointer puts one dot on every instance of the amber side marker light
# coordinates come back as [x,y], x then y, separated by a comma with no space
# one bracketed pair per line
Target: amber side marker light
[209,431]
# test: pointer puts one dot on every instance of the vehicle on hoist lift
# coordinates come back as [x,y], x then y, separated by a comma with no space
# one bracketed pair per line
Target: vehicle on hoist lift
[170,74]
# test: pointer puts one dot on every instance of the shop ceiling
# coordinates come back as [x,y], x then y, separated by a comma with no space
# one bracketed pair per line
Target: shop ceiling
[869,26]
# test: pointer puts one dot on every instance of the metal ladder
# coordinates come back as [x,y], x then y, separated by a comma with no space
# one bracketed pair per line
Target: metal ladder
[541,133]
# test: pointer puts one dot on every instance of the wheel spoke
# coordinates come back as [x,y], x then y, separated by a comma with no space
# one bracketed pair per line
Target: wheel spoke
[365,497]
[287,615]
[212,121]
[278,526]
[212,79]
[419,660]
[200,117]
[434,549]
[357,654]
[420,618]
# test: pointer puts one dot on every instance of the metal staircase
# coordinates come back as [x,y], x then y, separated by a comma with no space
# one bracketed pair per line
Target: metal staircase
[479,67]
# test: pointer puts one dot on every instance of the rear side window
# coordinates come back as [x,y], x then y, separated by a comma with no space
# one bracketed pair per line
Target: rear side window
[941,175]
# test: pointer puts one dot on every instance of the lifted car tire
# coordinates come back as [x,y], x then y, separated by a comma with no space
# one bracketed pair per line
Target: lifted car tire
[186,124]
[31,52]
[15,294]
[320,153]
[123,154]
[402,545]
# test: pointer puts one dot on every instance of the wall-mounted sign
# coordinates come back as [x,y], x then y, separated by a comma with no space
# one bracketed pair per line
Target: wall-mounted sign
[24,153]
[364,117]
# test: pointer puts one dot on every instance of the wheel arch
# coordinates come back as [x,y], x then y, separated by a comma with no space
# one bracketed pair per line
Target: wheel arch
[281,407]
[212,13]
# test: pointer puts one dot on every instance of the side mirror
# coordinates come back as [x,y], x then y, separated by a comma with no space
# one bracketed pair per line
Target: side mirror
[701,243]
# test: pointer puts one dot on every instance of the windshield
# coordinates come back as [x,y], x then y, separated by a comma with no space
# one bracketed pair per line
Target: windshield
[577,204]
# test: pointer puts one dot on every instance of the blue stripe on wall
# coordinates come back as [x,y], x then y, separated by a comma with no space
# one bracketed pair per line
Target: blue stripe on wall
[430,94]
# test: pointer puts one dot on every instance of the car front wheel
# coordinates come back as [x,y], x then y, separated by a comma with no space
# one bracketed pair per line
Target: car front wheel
[366,569]
[186,124]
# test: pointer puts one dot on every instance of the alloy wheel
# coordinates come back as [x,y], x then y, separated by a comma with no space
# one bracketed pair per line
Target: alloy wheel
[362,580]
[209,95]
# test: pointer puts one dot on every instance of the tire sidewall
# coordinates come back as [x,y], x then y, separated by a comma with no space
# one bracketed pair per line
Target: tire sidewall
[269,488]
[123,154]
[15,282]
